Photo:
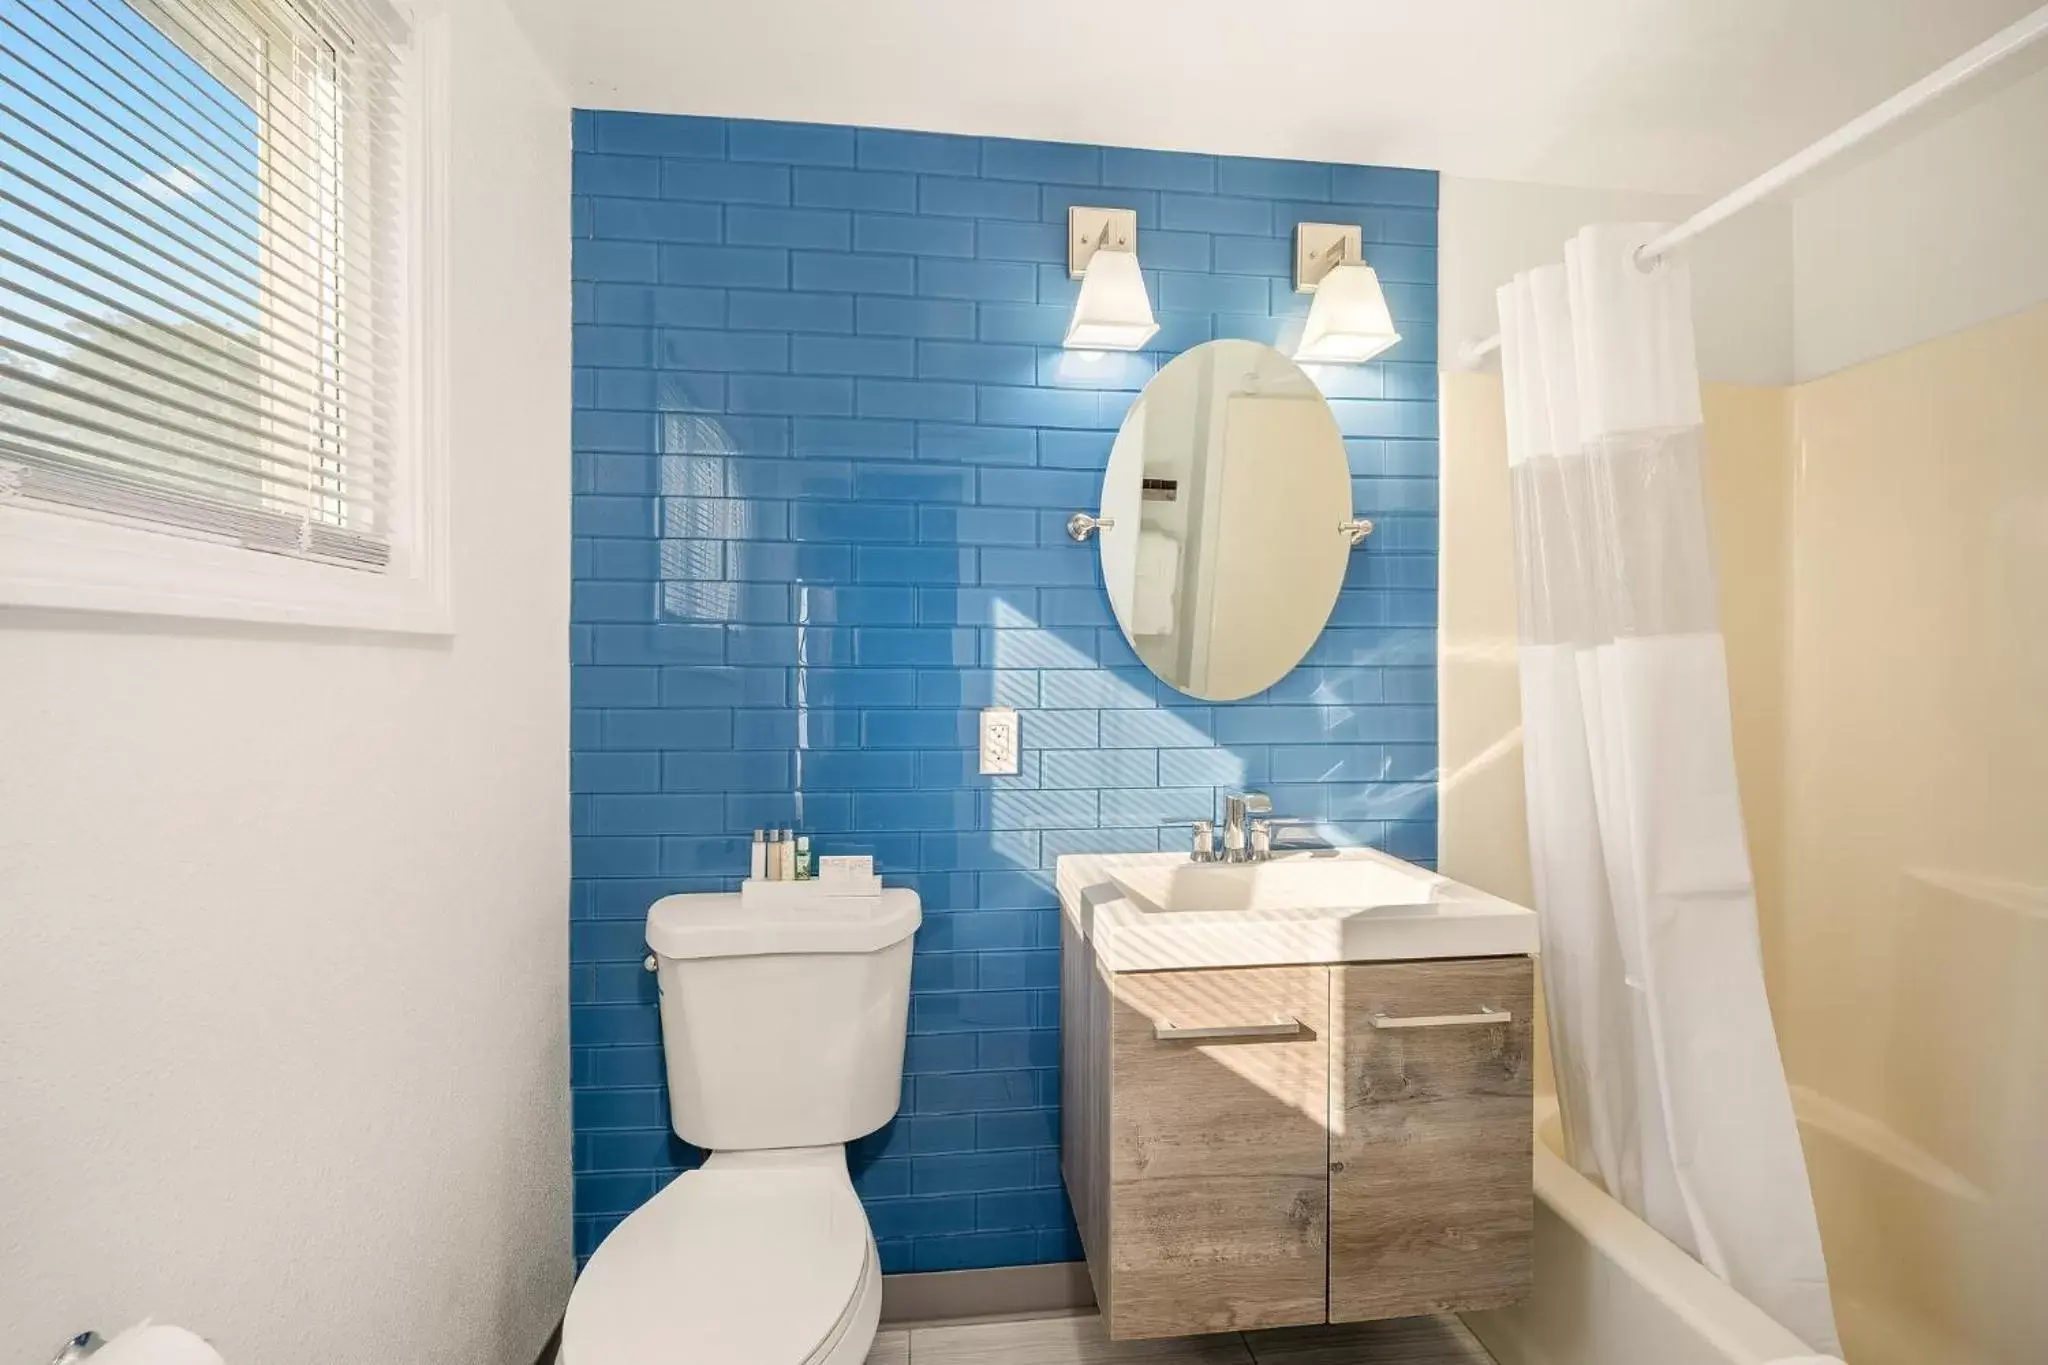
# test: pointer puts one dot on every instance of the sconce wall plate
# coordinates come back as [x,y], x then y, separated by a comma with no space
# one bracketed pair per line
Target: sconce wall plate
[1090,230]
[1319,246]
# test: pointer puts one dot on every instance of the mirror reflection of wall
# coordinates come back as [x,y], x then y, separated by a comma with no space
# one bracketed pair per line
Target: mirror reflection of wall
[1226,485]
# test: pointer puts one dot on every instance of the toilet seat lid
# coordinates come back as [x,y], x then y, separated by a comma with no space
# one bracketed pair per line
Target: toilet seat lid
[722,1268]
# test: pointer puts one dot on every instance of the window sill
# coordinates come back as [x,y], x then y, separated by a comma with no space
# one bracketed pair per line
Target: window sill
[65,563]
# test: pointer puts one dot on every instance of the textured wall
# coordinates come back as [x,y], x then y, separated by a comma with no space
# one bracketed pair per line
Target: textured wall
[281,938]
[825,445]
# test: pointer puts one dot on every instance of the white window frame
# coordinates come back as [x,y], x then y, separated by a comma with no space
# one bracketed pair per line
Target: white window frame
[61,561]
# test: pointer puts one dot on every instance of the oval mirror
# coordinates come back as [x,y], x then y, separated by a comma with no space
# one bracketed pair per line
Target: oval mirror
[1223,506]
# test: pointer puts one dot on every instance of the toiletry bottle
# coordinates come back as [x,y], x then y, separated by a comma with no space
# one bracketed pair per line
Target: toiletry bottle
[788,855]
[803,857]
[758,868]
[773,855]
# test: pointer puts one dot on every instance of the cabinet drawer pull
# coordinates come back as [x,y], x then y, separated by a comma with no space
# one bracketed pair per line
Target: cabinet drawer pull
[1177,1033]
[1487,1015]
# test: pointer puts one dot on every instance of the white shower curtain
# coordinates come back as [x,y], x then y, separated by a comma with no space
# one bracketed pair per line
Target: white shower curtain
[1668,1073]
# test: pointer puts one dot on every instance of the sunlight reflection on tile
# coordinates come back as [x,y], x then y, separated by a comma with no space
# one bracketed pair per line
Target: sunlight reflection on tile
[1020,647]
[692,559]
[688,435]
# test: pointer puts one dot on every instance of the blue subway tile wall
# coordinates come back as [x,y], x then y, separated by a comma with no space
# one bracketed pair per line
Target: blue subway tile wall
[825,445]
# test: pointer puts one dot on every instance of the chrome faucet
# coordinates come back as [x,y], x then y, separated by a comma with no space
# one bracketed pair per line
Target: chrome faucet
[1237,844]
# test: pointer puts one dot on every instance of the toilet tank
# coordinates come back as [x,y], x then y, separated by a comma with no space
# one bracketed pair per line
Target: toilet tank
[783,1026]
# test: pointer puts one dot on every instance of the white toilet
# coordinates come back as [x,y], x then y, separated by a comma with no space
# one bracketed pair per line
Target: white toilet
[784,1031]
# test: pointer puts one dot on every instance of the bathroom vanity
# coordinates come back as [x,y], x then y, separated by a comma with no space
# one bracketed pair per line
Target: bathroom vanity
[1295,1091]
[1296,1086]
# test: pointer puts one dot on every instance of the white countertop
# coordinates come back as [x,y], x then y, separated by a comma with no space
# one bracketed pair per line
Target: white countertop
[1159,911]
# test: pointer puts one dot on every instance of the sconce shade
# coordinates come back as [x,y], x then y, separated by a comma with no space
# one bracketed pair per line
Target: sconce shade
[1113,313]
[1348,324]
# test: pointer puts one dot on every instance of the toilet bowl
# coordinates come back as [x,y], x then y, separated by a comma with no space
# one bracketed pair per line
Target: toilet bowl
[783,1031]
[743,1262]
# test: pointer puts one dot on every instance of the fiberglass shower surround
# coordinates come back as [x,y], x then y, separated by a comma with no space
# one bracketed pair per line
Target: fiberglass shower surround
[1669,1078]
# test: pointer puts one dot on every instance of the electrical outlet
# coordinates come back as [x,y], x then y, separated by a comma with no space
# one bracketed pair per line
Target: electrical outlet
[998,740]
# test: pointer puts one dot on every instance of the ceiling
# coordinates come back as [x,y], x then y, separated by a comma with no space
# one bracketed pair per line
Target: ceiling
[1673,95]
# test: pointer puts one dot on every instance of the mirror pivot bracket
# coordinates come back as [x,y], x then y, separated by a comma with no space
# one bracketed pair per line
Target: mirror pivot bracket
[1080,526]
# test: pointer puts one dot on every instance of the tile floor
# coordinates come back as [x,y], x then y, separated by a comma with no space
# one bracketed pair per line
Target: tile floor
[1080,1341]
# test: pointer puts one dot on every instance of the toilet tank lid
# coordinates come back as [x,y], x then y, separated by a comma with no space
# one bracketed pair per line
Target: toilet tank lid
[719,925]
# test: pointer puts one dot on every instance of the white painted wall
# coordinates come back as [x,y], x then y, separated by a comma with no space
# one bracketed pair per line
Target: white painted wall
[1669,95]
[1935,231]
[1742,271]
[1936,234]
[283,916]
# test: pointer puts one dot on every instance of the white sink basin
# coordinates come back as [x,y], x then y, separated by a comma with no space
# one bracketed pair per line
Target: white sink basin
[1154,911]
[1346,879]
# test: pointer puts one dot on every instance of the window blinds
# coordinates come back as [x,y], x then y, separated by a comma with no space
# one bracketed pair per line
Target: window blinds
[202,268]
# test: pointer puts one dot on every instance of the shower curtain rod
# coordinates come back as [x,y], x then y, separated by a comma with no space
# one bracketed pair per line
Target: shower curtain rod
[2007,42]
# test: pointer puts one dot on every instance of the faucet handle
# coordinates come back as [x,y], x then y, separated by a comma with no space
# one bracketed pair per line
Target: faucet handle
[1276,827]
[1204,850]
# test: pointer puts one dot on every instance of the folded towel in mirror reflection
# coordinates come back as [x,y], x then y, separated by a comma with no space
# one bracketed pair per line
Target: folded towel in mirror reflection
[1158,583]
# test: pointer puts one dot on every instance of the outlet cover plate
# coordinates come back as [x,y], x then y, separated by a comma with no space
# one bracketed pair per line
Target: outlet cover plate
[998,741]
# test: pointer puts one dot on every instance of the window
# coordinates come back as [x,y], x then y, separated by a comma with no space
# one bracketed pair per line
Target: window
[207,328]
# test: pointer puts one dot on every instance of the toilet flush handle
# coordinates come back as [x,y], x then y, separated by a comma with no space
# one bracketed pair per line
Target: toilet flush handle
[78,1348]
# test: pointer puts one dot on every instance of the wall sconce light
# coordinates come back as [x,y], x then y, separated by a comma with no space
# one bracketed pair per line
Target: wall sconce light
[1348,324]
[1113,313]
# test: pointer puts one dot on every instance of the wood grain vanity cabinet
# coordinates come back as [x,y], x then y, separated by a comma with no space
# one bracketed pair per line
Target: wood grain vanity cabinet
[1431,1187]
[1281,1145]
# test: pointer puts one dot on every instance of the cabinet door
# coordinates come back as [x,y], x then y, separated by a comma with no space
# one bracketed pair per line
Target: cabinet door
[1431,1205]
[1218,1151]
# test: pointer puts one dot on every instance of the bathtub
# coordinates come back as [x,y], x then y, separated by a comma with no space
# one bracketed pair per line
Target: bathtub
[1610,1290]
